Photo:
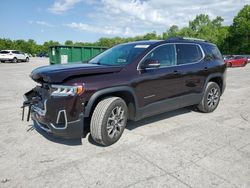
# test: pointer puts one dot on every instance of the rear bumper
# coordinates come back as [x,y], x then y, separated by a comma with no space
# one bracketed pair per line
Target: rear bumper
[5,59]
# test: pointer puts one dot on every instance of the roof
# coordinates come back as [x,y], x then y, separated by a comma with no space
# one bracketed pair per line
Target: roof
[9,50]
[187,40]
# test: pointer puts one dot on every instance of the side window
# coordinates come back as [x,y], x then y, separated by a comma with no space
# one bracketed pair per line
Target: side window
[214,52]
[15,52]
[164,54]
[188,53]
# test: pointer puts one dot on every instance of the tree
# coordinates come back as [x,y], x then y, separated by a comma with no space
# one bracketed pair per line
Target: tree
[239,32]
[69,42]
[46,45]
[173,31]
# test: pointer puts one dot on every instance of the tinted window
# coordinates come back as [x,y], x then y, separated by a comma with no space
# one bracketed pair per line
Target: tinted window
[119,55]
[164,54]
[4,52]
[238,57]
[214,52]
[16,52]
[188,53]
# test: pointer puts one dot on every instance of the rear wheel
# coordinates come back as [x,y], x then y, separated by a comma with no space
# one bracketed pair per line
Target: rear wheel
[211,98]
[27,59]
[109,120]
[14,60]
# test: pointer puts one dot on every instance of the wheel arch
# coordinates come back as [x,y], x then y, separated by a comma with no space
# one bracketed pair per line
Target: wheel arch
[124,92]
[217,78]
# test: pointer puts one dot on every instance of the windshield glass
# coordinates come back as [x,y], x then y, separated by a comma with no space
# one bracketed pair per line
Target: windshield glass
[122,54]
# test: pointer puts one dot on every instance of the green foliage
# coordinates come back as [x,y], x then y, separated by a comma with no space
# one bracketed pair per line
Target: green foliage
[234,39]
[69,42]
[238,41]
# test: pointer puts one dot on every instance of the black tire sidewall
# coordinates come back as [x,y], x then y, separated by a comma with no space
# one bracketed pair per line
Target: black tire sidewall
[210,86]
[105,138]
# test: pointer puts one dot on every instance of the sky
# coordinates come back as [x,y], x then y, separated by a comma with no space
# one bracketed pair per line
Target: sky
[89,20]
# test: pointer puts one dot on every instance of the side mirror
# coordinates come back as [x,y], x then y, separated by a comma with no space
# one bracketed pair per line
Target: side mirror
[150,63]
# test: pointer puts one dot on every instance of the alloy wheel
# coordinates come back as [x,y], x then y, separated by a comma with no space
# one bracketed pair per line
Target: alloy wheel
[116,122]
[213,97]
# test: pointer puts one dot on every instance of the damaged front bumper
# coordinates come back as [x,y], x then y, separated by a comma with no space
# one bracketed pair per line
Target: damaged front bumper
[60,116]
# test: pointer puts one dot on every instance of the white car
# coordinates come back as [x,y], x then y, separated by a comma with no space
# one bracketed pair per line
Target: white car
[13,56]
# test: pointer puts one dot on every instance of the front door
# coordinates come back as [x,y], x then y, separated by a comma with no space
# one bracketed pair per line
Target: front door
[156,85]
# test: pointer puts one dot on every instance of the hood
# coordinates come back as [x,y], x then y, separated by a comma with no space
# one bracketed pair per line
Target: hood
[59,73]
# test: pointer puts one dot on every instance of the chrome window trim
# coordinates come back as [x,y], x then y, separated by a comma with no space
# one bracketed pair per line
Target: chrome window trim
[203,56]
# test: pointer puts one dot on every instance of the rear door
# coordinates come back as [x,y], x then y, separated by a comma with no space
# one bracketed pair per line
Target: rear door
[17,54]
[193,71]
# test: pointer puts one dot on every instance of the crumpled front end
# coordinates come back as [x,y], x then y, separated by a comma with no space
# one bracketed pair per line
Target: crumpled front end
[59,115]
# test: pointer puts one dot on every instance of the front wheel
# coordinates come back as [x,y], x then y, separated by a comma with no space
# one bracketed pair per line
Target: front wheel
[27,59]
[211,98]
[109,120]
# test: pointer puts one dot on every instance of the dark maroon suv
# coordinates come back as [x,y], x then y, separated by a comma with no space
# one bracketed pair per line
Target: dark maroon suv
[127,82]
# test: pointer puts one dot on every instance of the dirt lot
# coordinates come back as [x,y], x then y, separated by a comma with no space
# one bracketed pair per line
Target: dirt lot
[182,148]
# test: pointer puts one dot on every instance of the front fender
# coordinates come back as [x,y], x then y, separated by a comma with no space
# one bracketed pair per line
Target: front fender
[107,91]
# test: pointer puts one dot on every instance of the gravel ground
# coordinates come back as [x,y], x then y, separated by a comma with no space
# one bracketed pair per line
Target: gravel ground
[182,148]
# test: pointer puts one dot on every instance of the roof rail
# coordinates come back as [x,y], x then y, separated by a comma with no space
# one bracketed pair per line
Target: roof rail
[185,38]
[174,38]
[190,38]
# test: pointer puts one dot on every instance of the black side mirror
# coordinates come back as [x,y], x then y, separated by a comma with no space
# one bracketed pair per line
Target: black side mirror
[150,63]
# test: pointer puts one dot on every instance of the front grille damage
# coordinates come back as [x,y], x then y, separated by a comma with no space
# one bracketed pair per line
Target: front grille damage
[36,98]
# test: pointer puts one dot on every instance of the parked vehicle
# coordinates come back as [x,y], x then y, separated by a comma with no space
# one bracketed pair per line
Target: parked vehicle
[236,61]
[13,56]
[248,58]
[43,54]
[130,81]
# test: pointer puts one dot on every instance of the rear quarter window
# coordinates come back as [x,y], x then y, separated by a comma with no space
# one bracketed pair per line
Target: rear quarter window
[4,52]
[214,52]
[188,53]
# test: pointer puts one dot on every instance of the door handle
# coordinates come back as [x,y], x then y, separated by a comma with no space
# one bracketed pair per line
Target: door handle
[175,72]
[206,69]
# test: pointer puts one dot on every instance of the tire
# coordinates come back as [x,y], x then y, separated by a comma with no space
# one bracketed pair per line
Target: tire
[211,98]
[27,59]
[14,60]
[105,128]
[230,65]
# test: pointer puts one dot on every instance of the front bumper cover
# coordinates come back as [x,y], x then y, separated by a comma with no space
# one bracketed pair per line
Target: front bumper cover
[71,130]
[60,116]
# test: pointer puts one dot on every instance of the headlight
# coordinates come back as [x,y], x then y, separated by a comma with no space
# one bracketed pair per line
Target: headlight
[61,90]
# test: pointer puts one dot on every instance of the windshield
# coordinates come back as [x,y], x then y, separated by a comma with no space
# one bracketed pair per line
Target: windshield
[122,54]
